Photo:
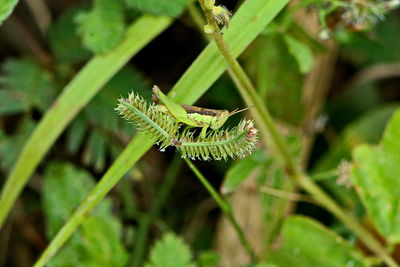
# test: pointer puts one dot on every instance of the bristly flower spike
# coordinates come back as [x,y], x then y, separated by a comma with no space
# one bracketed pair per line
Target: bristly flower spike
[146,118]
[222,15]
[223,144]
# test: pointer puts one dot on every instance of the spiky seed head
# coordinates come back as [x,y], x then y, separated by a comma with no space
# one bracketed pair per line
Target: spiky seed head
[222,15]
[209,4]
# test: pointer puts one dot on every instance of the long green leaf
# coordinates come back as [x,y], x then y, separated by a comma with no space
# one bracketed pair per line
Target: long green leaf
[74,97]
[6,8]
[248,22]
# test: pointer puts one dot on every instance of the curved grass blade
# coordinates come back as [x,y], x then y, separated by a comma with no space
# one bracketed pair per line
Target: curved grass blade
[252,17]
[73,98]
[6,8]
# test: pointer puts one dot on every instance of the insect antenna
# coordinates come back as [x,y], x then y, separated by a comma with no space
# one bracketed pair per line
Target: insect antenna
[238,111]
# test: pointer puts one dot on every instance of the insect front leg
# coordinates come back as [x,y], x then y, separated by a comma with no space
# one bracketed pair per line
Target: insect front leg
[204,131]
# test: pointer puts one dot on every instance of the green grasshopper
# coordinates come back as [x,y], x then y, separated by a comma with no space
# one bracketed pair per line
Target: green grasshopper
[191,115]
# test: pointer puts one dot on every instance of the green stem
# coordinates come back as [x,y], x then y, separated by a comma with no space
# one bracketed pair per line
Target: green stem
[197,16]
[130,210]
[147,219]
[269,129]
[226,209]
[250,96]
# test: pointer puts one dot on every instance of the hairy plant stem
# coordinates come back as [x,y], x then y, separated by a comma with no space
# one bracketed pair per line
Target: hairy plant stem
[272,136]
[226,209]
[250,96]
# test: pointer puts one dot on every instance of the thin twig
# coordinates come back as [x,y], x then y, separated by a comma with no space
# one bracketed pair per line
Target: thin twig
[41,13]
[373,73]
[25,41]
[226,208]
[288,195]
[148,218]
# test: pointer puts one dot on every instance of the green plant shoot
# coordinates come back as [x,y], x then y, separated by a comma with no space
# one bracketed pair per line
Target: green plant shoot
[191,115]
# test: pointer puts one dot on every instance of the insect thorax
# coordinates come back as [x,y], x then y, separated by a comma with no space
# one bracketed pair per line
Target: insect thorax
[214,122]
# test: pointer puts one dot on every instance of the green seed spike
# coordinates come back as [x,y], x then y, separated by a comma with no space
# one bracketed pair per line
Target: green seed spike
[219,144]
[145,117]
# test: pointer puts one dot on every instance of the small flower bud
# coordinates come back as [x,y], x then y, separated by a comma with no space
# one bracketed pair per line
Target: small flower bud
[222,15]
[324,34]
[208,29]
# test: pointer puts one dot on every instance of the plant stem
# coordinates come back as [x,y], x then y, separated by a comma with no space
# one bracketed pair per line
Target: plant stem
[267,125]
[226,208]
[250,96]
[148,218]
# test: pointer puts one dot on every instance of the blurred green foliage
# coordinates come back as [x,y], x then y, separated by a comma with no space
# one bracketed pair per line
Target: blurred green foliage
[308,243]
[375,175]
[6,8]
[26,86]
[156,7]
[170,251]
[64,39]
[102,28]
[97,243]
[277,61]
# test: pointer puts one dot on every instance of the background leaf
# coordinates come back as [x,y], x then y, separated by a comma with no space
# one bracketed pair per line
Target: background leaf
[308,243]
[241,169]
[102,28]
[97,243]
[301,52]
[171,8]
[6,7]
[365,49]
[366,129]
[170,251]
[64,40]
[375,175]
[28,85]
[12,102]
[281,93]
